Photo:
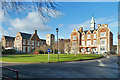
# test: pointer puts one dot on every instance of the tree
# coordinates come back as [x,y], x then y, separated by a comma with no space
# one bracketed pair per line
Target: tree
[54,48]
[45,8]
[43,48]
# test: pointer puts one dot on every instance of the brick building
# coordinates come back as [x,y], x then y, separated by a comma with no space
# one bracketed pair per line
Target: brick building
[94,40]
[8,42]
[64,45]
[23,42]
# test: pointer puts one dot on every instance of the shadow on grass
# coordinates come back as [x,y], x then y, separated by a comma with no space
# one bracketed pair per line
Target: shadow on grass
[16,56]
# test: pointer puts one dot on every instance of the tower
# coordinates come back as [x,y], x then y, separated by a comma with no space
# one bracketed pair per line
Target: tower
[92,27]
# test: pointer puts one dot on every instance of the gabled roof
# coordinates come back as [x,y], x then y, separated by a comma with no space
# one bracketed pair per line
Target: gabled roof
[90,31]
[25,35]
[9,38]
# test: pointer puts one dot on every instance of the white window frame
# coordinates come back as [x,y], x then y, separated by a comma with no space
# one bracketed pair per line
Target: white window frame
[95,36]
[74,37]
[32,43]
[88,42]
[28,42]
[101,40]
[28,49]
[38,43]
[83,42]
[94,42]
[102,34]
[24,41]
[24,48]
[83,36]
[88,36]
[74,43]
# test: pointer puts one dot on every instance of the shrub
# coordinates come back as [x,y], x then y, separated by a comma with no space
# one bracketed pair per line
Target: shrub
[9,51]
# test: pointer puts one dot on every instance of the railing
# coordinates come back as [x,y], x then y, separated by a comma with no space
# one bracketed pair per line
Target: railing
[17,72]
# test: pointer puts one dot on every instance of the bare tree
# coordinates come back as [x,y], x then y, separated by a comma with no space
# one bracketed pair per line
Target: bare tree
[45,8]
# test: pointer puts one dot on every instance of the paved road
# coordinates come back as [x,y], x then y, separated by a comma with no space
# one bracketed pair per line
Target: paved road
[100,68]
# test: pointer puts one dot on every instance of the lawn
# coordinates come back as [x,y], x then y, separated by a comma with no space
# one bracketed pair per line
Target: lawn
[44,57]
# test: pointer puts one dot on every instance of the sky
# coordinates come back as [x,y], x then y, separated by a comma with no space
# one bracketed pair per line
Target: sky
[72,15]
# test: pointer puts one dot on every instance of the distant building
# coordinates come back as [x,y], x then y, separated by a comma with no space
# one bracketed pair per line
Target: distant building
[64,45]
[50,39]
[8,42]
[114,48]
[67,46]
[94,40]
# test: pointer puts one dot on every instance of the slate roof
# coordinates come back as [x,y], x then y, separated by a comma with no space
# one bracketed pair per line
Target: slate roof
[42,39]
[9,38]
[25,35]
[90,31]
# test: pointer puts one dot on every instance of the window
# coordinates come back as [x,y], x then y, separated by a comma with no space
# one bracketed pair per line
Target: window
[28,48]
[82,49]
[88,43]
[88,36]
[18,37]
[28,42]
[32,48]
[102,48]
[7,43]
[74,43]
[94,35]
[38,43]
[23,48]
[33,43]
[103,34]
[102,41]
[94,42]
[82,36]
[83,42]
[74,37]
[24,41]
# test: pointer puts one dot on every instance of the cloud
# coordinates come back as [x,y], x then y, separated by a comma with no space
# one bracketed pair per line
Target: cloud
[86,24]
[31,22]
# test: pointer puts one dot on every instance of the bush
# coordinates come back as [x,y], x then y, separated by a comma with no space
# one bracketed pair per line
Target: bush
[9,51]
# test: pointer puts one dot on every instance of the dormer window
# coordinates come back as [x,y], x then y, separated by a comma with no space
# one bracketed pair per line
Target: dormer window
[88,36]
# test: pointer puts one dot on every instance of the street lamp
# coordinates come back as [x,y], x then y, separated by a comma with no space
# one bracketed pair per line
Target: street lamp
[57,44]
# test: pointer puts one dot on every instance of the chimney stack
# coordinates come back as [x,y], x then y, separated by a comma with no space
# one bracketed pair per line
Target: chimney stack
[99,25]
[35,31]
[81,29]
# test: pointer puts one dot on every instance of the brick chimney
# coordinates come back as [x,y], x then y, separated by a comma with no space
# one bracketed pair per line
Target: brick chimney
[81,29]
[35,31]
[106,25]
[99,25]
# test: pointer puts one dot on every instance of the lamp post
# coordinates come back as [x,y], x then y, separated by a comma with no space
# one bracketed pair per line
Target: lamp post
[57,44]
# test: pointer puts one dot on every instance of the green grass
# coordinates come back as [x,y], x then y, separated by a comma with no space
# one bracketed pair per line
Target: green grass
[44,57]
